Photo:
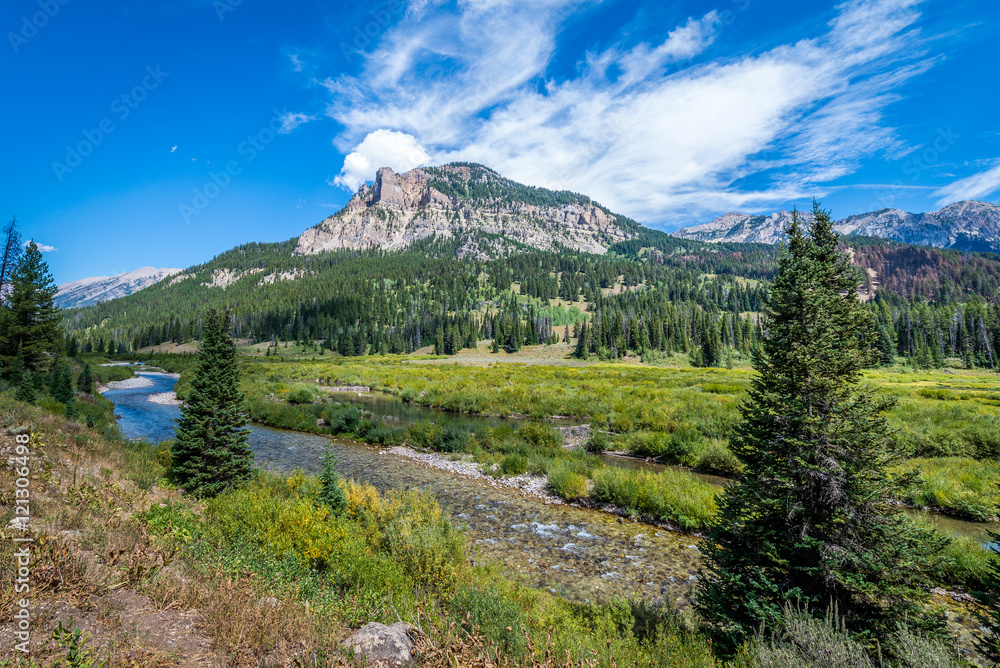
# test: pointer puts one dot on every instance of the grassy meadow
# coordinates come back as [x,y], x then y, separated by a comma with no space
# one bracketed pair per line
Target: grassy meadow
[948,423]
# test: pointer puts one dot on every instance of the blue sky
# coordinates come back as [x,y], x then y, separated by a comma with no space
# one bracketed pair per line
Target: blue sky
[165,133]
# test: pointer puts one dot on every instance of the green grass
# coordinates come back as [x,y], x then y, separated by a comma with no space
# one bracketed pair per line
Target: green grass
[668,496]
[963,486]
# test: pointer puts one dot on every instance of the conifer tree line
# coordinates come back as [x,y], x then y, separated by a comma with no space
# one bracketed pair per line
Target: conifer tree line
[674,295]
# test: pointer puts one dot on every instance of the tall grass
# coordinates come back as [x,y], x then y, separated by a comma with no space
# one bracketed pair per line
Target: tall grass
[960,485]
[668,496]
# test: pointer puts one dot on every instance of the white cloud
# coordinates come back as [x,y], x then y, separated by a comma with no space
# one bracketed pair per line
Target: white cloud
[643,129]
[174,148]
[382,148]
[290,121]
[42,247]
[296,62]
[971,187]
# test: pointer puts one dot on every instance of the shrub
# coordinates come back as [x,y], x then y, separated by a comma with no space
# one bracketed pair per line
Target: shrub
[598,441]
[424,434]
[540,435]
[566,482]
[809,642]
[717,458]
[343,418]
[452,439]
[515,464]
[162,454]
[302,395]
[379,433]
[411,528]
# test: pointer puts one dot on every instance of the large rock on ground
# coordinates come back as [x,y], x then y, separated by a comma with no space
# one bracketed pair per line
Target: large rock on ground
[382,645]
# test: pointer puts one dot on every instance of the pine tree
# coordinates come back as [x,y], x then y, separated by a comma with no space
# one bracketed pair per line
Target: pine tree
[809,521]
[29,321]
[332,491]
[62,383]
[886,347]
[210,453]
[582,343]
[21,380]
[85,382]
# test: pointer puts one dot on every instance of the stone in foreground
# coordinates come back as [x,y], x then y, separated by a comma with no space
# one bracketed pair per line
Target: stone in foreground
[382,645]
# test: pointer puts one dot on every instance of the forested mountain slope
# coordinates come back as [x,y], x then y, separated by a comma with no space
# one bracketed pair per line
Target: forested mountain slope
[645,291]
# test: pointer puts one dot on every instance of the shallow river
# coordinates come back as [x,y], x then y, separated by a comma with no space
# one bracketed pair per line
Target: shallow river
[584,554]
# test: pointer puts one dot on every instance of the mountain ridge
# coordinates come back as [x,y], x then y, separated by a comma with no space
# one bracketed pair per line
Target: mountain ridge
[966,226]
[96,289]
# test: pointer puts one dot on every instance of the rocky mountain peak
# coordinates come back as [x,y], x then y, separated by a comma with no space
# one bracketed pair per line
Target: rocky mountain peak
[498,214]
[967,225]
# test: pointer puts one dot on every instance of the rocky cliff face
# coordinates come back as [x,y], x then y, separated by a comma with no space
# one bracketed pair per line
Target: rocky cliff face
[968,226]
[494,214]
[89,291]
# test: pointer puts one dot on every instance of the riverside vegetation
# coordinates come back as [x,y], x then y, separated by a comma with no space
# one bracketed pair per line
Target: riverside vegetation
[276,576]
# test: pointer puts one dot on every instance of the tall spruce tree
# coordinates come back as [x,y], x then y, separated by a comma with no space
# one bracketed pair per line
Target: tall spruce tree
[29,320]
[85,381]
[210,453]
[809,521]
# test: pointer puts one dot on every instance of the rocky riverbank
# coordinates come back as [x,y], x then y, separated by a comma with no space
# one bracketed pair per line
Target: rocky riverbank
[531,485]
[166,399]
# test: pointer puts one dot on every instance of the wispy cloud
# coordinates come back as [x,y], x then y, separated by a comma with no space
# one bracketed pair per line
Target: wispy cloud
[971,187]
[290,121]
[653,130]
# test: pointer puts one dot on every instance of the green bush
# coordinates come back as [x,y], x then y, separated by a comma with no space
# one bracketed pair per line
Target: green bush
[514,464]
[540,435]
[302,395]
[452,439]
[717,458]
[598,441]
[566,482]
[379,433]
[424,434]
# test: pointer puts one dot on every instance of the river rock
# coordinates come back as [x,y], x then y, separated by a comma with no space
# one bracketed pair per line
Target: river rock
[382,645]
